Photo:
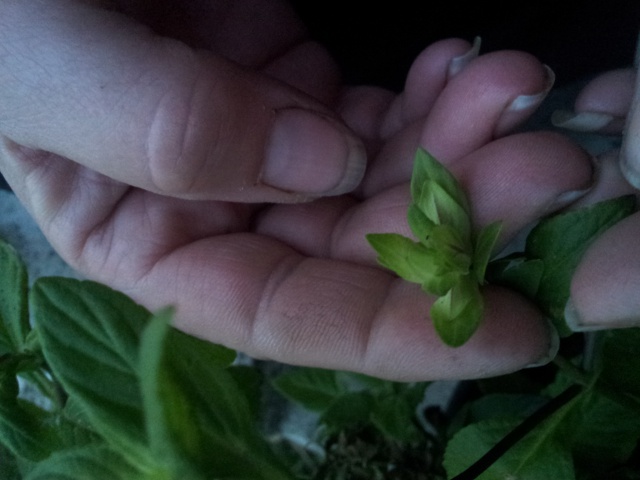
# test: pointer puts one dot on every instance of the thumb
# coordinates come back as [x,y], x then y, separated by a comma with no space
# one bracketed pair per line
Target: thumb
[604,289]
[107,93]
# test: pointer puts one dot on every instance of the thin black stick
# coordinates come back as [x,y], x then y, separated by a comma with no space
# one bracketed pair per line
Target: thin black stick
[509,440]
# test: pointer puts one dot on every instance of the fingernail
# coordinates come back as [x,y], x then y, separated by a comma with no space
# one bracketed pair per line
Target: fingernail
[312,154]
[583,121]
[552,351]
[574,320]
[567,198]
[629,170]
[630,151]
[458,63]
[524,102]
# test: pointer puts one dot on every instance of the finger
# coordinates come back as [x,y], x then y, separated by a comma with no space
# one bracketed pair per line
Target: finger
[631,141]
[604,288]
[516,179]
[601,106]
[90,219]
[260,297]
[427,77]
[94,87]
[376,114]
[490,96]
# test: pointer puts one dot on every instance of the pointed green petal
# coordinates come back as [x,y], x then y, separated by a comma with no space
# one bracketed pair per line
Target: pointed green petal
[408,259]
[457,314]
[418,222]
[485,242]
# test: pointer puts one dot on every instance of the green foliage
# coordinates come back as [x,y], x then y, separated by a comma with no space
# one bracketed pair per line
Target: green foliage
[553,250]
[449,259]
[130,397]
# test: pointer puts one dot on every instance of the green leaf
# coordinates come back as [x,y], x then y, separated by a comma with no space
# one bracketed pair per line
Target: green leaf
[313,388]
[457,314]
[408,259]
[449,250]
[250,381]
[518,273]
[222,412]
[420,225]
[14,316]
[172,428]
[25,429]
[438,194]
[348,411]
[560,242]
[538,456]
[620,362]
[89,335]
[394,415]
[96,462]
[485,242]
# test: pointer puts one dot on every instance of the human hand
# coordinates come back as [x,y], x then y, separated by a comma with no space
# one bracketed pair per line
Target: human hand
[604,290]
[295,283]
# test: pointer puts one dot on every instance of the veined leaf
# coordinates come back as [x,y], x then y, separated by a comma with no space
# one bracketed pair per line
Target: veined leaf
[560,242]
[172,428]
[96,462]
[90,333]
[14,316]
[537,456]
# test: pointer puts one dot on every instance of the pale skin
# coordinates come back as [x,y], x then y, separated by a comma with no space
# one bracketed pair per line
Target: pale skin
[604,288]
[215,163]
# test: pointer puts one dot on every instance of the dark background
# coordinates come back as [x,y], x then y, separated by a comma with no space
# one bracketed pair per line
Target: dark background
[375,43]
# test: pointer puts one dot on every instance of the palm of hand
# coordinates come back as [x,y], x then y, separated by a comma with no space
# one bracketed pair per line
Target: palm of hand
[298,282]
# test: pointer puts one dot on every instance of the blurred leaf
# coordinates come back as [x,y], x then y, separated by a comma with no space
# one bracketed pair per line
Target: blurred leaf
[90,333]
[25,430]
[619,360]
[14,316]
[96,462]
[313,388]
[537,456]
[350,410]
[395,417]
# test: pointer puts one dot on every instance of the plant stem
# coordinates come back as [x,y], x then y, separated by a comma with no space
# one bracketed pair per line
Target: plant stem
[519,432]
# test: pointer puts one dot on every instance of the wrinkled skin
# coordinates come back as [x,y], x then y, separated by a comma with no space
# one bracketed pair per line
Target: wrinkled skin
[205,155]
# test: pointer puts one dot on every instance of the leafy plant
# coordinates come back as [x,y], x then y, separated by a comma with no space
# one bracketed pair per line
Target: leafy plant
[126,396]
[449,259]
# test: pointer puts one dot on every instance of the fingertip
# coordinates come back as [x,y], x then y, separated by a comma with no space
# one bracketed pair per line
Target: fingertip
[311,154]
[605,285]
